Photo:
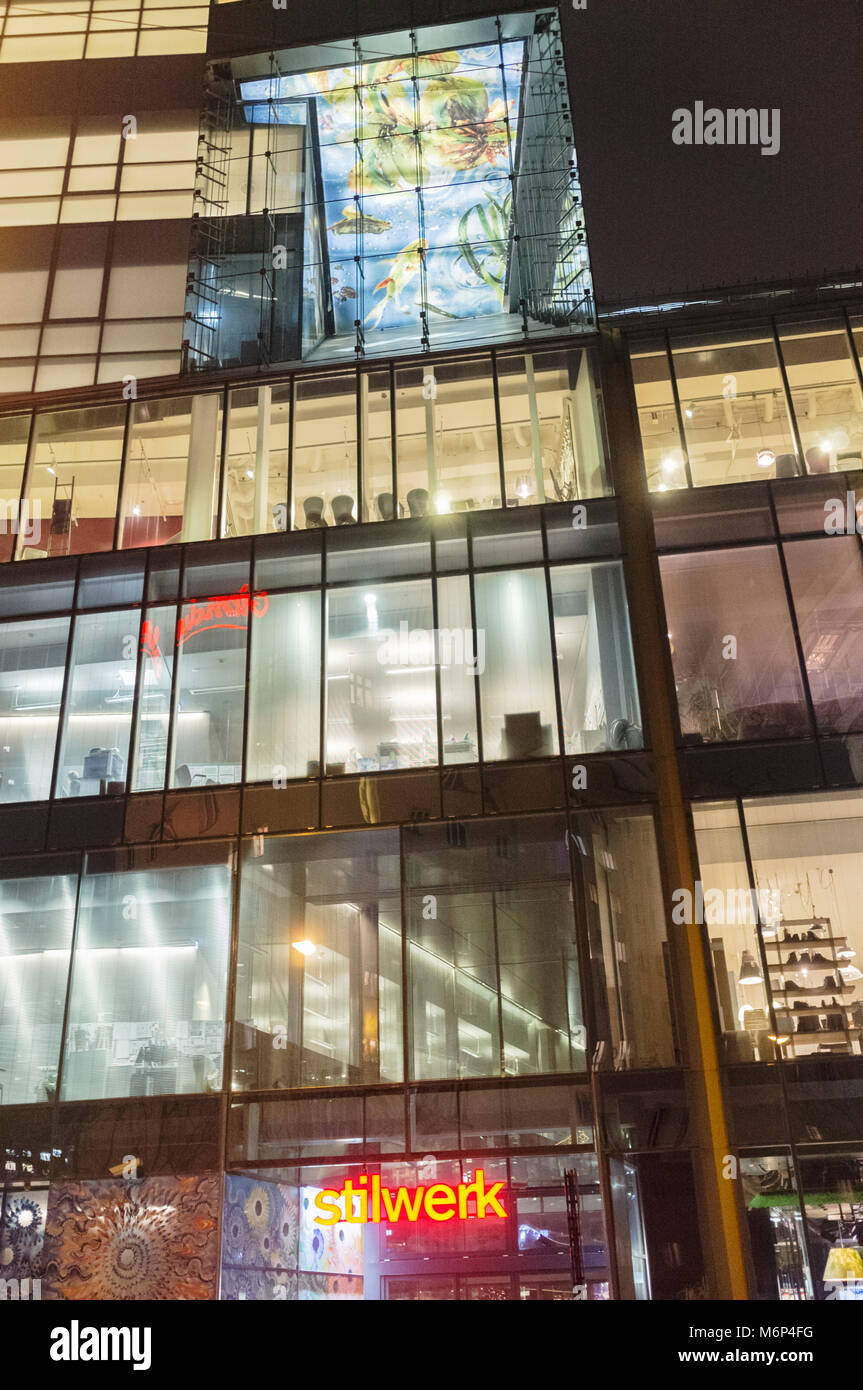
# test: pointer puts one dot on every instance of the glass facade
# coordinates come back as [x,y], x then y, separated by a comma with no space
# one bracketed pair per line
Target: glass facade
[463,434]
[421,191]
[782,400]
[762,638]
[371,956]
[341,953]
[287,682]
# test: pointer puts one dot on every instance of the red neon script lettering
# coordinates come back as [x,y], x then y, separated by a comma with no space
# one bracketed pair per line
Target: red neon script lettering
[213,613]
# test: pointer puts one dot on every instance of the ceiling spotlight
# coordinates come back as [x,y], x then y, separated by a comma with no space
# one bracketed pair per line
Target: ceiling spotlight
[765,458]
[305,948]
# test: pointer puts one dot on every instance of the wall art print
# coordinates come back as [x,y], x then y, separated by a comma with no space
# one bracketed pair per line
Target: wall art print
[260,1240]
[153,1239]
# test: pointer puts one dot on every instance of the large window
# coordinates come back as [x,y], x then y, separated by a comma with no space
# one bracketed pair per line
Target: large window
[254,674]
[736,668]
[416,182]
[598,696]
[37,913]
[517,695]
[94,753]
[210,689]
[618,872]
[32,662]
[776,402]
[171,471]
[283,738]
[785,944]
[381,704]
[147,1003]
[493,966]
[319,967]
[350,449]
[73,481]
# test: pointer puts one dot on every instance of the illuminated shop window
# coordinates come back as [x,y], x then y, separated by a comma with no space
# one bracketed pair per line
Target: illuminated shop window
[32,661]
[785,943]
[147,1003]
[59,29]
[493,971]
[319,993]
[423,192]
[781,401]
[37,913]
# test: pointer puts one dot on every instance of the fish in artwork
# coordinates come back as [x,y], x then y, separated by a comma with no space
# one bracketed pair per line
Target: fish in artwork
[405,265]
[352,220]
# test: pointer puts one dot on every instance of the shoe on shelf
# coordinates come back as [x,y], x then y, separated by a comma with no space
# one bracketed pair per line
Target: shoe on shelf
[818,959]
[792,959]
[829,983]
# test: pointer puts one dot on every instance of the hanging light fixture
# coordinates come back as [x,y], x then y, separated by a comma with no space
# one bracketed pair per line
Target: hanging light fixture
[844,1265]
[749,972]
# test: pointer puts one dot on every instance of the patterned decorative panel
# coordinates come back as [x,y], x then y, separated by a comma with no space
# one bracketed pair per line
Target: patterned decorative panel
[154,1239]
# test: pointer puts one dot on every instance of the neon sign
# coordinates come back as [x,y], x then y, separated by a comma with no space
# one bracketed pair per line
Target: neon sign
[368,1202]
[214,612]
[150,645]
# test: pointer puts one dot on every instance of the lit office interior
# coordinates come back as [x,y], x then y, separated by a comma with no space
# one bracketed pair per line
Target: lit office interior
[169,693]
[461,434]
[362,957]
[783,400]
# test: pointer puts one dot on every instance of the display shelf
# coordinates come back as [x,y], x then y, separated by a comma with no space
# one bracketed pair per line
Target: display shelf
[825,946]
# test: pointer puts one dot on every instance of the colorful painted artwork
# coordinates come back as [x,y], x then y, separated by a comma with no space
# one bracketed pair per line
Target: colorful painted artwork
[272,1249]
[154,1239]
[336,1249]
[260,1228]
[416,155]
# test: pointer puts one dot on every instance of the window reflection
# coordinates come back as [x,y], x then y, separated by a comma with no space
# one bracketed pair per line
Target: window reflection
[32,663]
[319,965]
[735,661]
[492,958]
[36,918]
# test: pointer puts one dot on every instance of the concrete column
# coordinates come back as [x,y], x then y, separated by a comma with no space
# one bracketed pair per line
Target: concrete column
[261,523]
[199,502]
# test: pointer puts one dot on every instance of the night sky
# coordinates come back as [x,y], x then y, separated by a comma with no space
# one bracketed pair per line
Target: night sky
[665,217]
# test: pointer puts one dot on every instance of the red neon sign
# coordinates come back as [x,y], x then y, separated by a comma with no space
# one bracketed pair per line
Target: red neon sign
[439,1202]
[212,613]
[150,646]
